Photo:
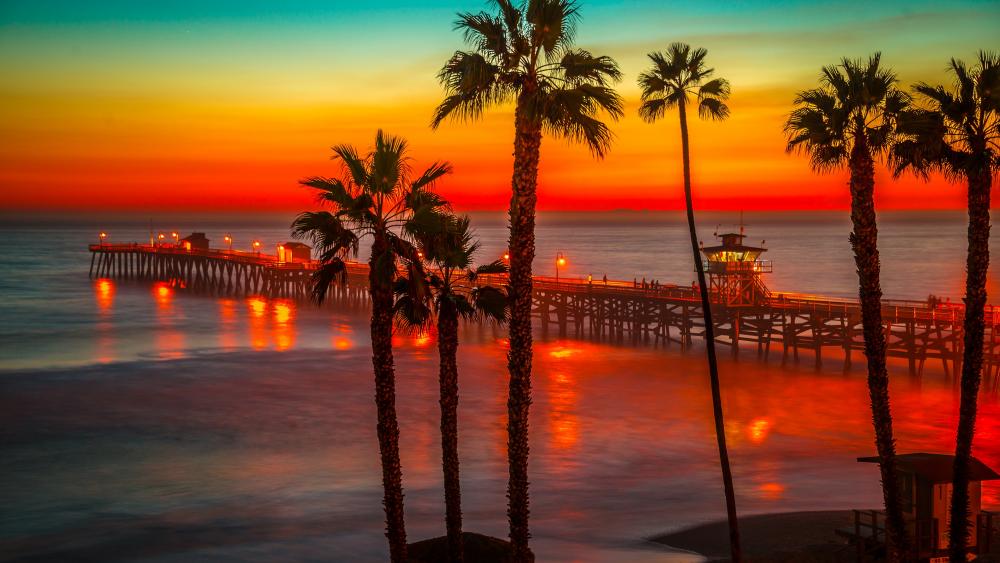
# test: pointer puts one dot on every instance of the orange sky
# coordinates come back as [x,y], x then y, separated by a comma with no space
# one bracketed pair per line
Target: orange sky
[174,111]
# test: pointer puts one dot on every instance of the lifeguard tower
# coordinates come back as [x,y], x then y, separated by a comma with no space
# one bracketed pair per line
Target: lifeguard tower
[925,490]
[734,271]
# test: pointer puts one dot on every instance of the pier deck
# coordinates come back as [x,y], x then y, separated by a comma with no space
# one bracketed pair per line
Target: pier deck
[615,311]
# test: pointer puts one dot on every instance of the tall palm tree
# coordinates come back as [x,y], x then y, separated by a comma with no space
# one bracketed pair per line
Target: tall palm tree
[956,131]
[850,120]
[455,294]
[677,78]
[376,196]
[524,55]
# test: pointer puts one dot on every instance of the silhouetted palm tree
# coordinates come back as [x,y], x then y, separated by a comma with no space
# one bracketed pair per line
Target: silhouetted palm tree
[455,293]
[376,196]
[850,120]
[679,77]
[524,54]
[957,132]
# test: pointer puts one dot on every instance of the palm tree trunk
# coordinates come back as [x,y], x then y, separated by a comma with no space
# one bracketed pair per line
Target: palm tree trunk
[448,375]
[864,241]
[713,368]
[527,144]
[978,261]
[385,402]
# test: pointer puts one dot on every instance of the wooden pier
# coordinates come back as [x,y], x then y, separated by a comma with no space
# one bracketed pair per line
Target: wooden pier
[613,311]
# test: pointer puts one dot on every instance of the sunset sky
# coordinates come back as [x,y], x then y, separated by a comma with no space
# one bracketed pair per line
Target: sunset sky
[212,105]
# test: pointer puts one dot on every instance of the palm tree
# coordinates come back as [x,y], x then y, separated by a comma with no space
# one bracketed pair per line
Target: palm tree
[850,120]
[957,132]
[376,196]
[675,78]
[524,55]
[457,294]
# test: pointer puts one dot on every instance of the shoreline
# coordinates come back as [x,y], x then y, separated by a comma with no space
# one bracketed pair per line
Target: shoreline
[779,537]
[805,536]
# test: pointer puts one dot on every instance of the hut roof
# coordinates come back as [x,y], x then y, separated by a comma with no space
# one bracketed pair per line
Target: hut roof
[732,242]
[937,468]
[195,236]
[296,245]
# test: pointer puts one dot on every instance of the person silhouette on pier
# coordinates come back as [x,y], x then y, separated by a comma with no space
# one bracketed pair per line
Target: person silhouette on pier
[605,279]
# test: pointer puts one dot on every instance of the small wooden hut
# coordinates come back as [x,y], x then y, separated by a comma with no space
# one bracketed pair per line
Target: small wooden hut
[195,241]
[294,252]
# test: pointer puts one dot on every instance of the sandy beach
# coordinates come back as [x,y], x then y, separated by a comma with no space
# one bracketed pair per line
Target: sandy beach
[786,537]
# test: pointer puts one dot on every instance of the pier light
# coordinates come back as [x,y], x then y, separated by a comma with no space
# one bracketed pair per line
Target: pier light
[102,236]
[506,256]
[160,237]
[256,246]
[177,237]
[420,254]
[560,262]
[229,241]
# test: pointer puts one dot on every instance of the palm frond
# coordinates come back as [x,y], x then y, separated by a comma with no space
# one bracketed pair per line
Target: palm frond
[552,23]
[491,304]
[327,232]
[411,308]
[355,165]
[714,109]
[581,67]
[389,168]
[486,34]
[327,274]
[472,84]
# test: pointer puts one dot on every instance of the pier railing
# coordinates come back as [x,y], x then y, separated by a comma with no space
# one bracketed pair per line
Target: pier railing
[788,301]
[604,309]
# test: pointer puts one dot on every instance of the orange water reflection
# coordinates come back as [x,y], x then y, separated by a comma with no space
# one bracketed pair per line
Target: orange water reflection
[257,324]
[786,436]
[270,323]
[564,425]
[758,429]
[169,338]
[104,291]
[164,295]
[283,330]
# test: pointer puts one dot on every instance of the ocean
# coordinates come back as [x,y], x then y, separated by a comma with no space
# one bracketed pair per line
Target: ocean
[146,423]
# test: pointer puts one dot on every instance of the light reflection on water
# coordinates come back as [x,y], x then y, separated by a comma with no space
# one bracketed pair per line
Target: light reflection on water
[254,438]
[283,444]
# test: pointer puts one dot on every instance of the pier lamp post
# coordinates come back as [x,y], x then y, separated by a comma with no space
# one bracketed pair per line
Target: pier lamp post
[256,247]
[102,236]
[560,261]
[229,240]
[177,238]
[160,238]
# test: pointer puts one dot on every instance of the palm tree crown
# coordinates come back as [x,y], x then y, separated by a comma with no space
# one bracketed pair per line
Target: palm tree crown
[377,196]
[453,282]
[954,131]
[857,100]
[678,74]
[525,53]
